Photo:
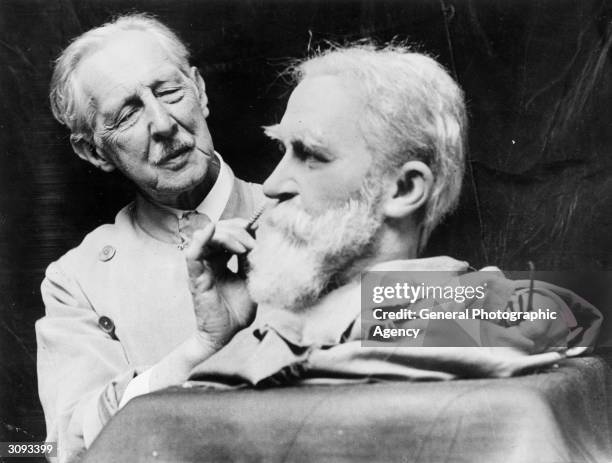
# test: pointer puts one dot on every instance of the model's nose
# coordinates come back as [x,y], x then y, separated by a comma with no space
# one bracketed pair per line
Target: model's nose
[280,184]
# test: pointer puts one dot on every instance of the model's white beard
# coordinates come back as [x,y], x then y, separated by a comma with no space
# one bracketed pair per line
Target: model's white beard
[298,257]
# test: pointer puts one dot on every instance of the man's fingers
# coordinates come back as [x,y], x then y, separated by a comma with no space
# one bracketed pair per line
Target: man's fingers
[227,233]
[244,237]
[210,242]
[197,248]
[236,222]
[227,240]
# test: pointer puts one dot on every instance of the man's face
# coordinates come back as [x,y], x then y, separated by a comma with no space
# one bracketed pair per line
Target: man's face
[326,157]
[328,214]
[150,116]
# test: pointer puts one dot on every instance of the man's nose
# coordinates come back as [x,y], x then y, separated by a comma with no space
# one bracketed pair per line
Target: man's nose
[162,123]
[281,183]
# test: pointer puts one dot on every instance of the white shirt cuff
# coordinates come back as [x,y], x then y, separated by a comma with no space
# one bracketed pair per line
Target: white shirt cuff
[137,386]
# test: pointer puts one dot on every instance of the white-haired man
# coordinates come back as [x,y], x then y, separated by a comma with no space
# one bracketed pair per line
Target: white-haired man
[374,148]
[120,320]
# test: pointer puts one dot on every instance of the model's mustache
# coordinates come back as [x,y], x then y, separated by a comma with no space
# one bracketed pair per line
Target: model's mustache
[291,220]
[254,219]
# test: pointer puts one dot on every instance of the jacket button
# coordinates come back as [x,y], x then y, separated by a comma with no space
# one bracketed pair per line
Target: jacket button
[106,253]
[106,324]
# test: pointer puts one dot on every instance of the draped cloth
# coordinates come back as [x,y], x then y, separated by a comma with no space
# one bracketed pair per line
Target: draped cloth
[561,415]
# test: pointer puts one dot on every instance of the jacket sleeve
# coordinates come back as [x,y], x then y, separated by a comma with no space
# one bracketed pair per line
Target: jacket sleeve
[82,371]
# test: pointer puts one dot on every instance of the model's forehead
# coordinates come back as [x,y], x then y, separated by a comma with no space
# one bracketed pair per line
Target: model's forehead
[325,106]
[128,59]
[323,94]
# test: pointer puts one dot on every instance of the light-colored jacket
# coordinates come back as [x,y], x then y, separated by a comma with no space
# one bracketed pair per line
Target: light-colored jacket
[115,305]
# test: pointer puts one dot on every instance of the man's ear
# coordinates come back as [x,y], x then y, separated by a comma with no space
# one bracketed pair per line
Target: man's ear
[414,184]
[88,152]
[201,88]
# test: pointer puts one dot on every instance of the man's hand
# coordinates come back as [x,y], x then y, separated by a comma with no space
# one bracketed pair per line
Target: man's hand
[221,302]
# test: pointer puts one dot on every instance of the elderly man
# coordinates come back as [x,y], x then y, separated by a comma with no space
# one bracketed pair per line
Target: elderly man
[373,143]
[119,314]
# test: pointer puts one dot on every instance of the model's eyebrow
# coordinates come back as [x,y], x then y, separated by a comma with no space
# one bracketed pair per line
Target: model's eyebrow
[303,138]
[273,131]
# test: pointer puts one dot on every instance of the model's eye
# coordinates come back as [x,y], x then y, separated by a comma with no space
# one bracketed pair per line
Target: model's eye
[315,155]
[307,154]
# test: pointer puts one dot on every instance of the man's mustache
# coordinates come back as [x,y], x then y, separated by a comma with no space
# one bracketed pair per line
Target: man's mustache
[289,219]
[172,150]
[253,222]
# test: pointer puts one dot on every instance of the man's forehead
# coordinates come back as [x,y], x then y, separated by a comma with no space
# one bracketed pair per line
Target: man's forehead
[320,108]
[129,60]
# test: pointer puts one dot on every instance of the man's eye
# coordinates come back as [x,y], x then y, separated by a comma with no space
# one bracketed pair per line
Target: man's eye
[170,95]
[315,155]
[126,116]
[307,154]
[310,156]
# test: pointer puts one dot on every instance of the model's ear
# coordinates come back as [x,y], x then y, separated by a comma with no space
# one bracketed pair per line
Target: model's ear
[413,186]
[88,152]
[201,88]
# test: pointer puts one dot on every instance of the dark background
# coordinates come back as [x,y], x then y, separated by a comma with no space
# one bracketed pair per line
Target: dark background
[537,76]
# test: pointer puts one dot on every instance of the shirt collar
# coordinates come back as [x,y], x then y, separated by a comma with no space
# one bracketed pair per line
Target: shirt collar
[163,222]
[215,201]
[324,323]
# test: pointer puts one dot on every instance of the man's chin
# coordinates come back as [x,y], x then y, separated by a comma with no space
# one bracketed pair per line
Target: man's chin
[283,275]
[175,164]
[174,185]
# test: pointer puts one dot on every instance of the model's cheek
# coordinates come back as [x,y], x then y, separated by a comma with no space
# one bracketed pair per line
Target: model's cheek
[324,194]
